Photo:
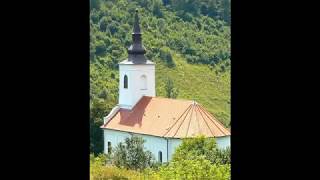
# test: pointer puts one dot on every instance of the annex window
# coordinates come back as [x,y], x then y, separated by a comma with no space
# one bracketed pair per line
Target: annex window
[109,147]
[160,156]
[125,82]
[143,82]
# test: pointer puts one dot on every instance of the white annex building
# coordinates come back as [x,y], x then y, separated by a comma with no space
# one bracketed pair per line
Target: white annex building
[162,122]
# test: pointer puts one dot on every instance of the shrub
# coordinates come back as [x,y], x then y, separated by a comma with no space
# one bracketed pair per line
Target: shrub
[191,148]
[112,172]
[94,16]
[171,91]
[100,48]
[113,76]
[223,156]
[95,4]
[157,8]
[197,168]
[165,54]
[103,94]
[223,68]
[104,23]
[113,27]
[131,154]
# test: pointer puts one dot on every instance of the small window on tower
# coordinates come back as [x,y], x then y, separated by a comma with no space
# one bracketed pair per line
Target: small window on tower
[125,82]
[144,82]
[160,156]
[109,147]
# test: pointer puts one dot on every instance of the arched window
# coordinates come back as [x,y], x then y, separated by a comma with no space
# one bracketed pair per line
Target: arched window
[160,156]
[125,82]
[143,82]
[109,147]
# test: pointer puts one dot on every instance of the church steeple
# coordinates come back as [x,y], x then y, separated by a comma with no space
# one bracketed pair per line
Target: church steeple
[137,74]
[136,51]
[136,25]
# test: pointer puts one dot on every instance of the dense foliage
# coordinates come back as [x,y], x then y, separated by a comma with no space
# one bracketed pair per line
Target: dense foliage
[192,148]
[196,168]
[198,158]
[189,41]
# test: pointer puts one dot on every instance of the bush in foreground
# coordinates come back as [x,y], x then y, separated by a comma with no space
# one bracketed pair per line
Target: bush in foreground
[197,168]
[192,148]
[132,155]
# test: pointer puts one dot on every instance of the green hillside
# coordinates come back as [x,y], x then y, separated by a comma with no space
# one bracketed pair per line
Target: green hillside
[199,83]
[190,44]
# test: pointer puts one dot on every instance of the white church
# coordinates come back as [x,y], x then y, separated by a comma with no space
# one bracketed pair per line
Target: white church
[162,122]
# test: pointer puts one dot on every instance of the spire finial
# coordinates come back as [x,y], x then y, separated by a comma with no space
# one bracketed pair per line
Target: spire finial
[136,26]
[136,51]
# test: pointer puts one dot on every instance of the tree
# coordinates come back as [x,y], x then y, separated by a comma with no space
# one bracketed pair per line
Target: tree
[226,11]
[94,16]
[166,2]
[98,110]
[198,158]
[113,27]
[166,56]
[157,8]
[171,91]
[100,48]
[103,94]
[95,4]
[104,23]
[223,156]
[191,148]
[92,51]
[131,154]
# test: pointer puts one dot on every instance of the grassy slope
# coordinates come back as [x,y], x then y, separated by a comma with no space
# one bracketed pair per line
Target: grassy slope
[199,83]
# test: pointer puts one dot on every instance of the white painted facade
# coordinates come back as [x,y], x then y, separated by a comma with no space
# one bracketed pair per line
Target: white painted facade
[153,143]
[223,142]
[141,81]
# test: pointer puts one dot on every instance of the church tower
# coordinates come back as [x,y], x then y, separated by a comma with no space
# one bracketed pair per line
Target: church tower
[137,74]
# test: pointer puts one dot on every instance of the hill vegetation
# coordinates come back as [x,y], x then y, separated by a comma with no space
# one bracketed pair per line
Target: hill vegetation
[188,40]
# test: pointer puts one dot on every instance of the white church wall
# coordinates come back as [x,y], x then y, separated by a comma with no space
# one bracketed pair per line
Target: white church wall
[223,142]
[153,143]
[115,137]
[173,144]
[136,84]
[156,144]
[125,97]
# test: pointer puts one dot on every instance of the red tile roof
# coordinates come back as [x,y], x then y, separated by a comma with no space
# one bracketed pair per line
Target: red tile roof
[167,118]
